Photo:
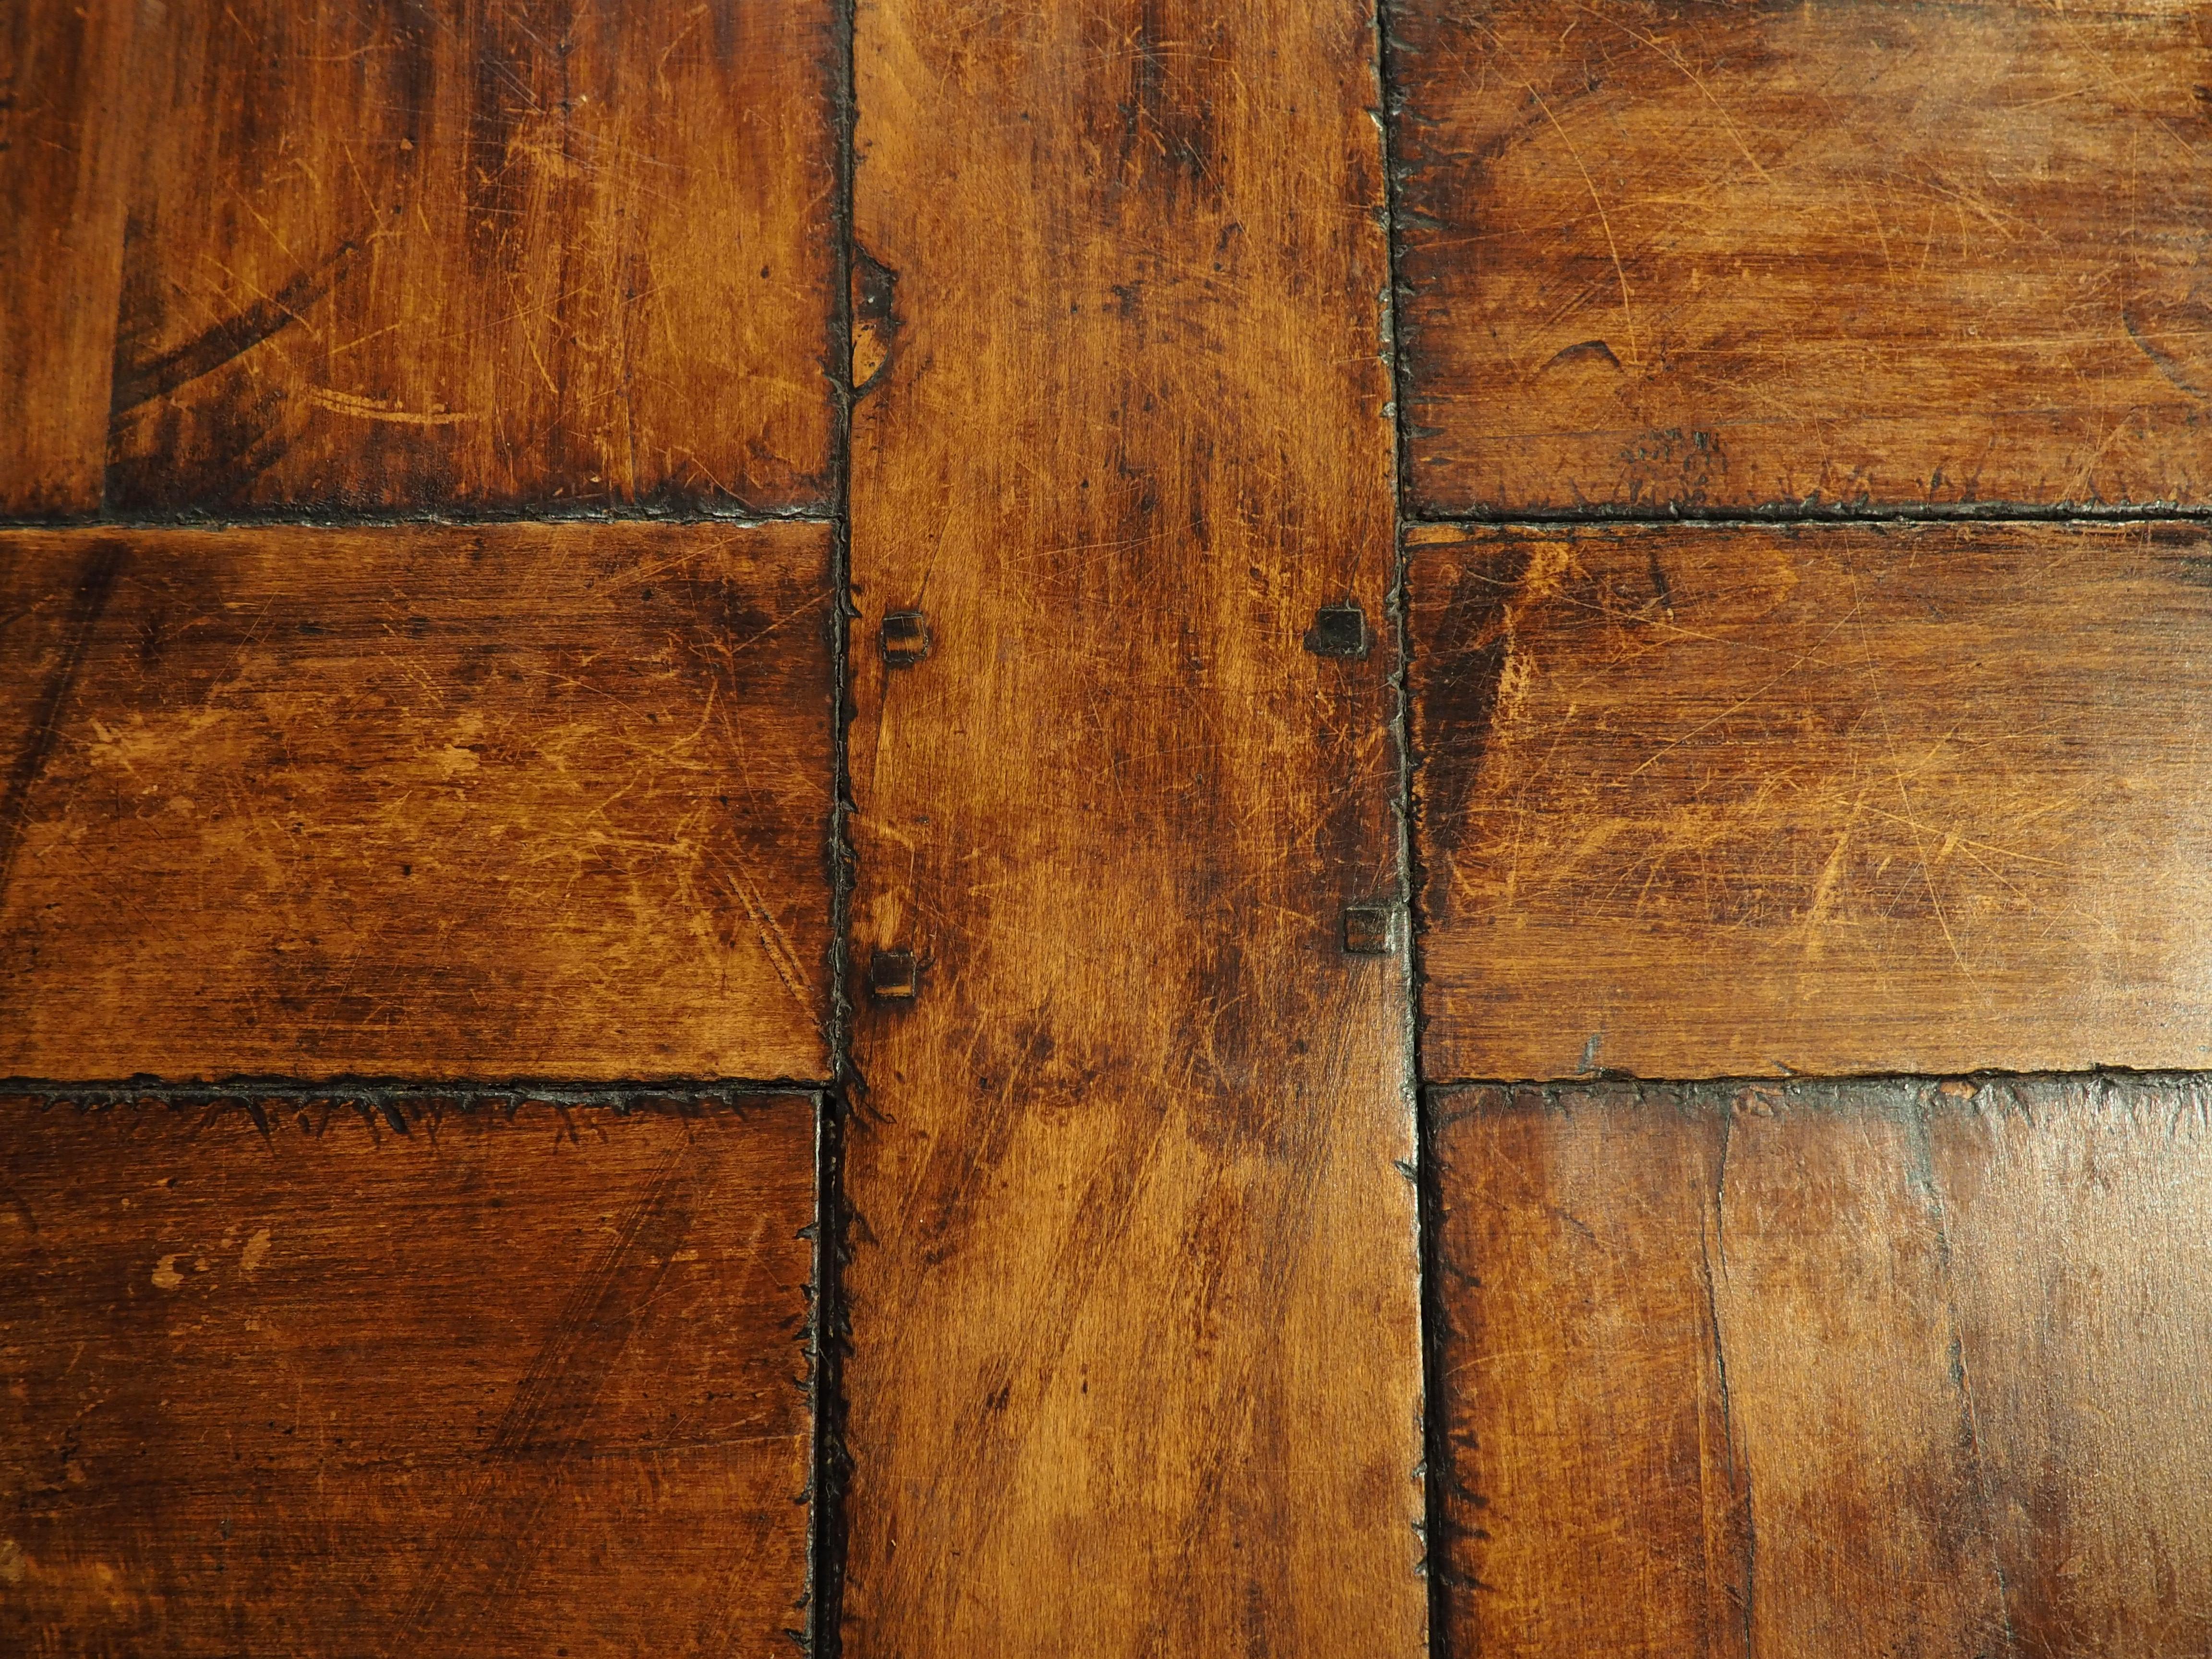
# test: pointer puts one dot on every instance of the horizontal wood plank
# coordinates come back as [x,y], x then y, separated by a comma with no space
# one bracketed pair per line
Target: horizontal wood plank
[1676,254]
[321,1377]
[1786,1370]
[426,802]
[436,256]
[1725,802]
[1133,1287]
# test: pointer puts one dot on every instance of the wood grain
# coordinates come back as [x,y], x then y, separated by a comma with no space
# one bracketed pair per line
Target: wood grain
[426,802]
[323,1376]
[1707,802]
[436,256]
[2075,1213]
[62,103]
[1132,1292]
[1805,1369]
[1678,254]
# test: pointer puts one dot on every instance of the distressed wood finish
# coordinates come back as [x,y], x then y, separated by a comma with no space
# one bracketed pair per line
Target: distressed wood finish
[1134,1360]
[1801,1369]
[522,800]
[311,1377]
[449,255]
[61,247]
[1670,253]
[2075,1222]
[1704,802]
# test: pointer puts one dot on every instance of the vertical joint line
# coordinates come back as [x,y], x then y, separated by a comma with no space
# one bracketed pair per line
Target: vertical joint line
[826,1540]
[1436,1450]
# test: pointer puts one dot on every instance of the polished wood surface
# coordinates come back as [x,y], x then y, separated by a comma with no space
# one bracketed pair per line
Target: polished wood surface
[387,1375]
[1817,1368]
[1663,254]
[1700,801]
[1118,589]
[353,254]
[432,802]
[1134,1343]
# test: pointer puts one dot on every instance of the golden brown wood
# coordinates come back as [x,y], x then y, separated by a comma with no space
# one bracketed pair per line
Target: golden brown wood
[1782,1370]
[444,255]
[1698,802]
[311,1377]
[1593,1498]
[520,801]
[2076,1211]
[1134,1359]
[1672,253]
[62,97]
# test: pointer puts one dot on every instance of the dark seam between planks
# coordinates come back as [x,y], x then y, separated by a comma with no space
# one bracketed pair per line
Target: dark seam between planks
[1813,512]
[2158,1075]
[671,511]
[831,1333]
[1428,1215]
[465,1095]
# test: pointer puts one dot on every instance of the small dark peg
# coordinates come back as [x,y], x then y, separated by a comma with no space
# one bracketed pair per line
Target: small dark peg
[893,975]
[1339,630]
[906,638]
[1370,930]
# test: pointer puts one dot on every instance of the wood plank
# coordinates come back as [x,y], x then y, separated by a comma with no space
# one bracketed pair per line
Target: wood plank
[2077,1210]
[1867,1500]
[314,1377]
[62,115]
[426,802]
[1135,1352]
[1592,1499]
[459,256]
[1815,1368]
[1672,254]
[1927,799]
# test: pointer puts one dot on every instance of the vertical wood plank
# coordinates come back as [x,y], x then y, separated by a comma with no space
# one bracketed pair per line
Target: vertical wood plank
[1869,1509]
[1703,1384]
[1133,1291]
[2077,1211]
[1594,1500]
[64,98]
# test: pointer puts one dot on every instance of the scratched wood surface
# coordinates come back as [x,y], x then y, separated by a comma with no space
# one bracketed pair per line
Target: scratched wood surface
[1699,801]
[349,253]
[1819,1368]
[430,802]
[1670,253]
[61,248]
[1134,1362]
[311,1377]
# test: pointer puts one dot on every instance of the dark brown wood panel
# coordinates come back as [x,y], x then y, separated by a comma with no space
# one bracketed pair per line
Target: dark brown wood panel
[1674,253]
[1135,1349]
[1818,1368]
[444,255]
[319,1377]
[62,95]
[1702,802]
[429,802]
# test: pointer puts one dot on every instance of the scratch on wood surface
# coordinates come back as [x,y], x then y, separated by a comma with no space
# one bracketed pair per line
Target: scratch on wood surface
[88,598]
[380,408]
